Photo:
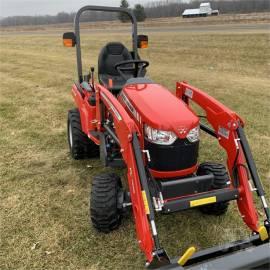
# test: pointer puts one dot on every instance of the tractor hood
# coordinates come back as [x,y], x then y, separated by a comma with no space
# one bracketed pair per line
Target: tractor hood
[159,108]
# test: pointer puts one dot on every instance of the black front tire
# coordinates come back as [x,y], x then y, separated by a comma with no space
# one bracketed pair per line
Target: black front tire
[105,211]
[81,147]
[221,179]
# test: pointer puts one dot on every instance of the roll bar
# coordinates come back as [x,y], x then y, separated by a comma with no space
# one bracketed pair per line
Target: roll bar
[106,9]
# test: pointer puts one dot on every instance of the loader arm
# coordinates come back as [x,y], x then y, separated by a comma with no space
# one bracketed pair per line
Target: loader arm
[228,129]
[127,134]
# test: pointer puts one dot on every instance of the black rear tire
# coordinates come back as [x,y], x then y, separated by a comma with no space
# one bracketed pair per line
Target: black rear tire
[105,211]
[221,179]
[81,147]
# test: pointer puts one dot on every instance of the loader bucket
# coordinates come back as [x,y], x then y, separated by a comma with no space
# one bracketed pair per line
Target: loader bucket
[243,254]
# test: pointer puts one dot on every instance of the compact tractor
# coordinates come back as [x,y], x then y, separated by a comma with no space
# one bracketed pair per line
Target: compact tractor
[132,122]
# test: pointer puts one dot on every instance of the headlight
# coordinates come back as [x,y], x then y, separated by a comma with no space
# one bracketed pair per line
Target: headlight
[194,134]
[159,136]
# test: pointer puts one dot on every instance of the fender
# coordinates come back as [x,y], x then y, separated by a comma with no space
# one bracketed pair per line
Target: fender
[87,112]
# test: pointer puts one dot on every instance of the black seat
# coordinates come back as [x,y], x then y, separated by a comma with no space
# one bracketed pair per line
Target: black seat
[111,54]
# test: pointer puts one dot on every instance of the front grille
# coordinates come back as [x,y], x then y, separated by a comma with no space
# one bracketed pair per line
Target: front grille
[179,156]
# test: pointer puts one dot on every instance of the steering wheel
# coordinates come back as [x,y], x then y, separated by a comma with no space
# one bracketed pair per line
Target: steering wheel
[137,67]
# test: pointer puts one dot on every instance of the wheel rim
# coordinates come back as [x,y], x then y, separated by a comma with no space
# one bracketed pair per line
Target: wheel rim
[70,136]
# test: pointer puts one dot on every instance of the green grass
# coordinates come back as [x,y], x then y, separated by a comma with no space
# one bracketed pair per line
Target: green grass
[44,195]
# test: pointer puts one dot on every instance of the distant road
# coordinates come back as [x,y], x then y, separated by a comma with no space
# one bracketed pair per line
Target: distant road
[212,28]
[220,28]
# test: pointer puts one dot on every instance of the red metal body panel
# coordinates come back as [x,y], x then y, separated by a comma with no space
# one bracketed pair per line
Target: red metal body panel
[225,122]
[171,174]
[87,112]
[159,108]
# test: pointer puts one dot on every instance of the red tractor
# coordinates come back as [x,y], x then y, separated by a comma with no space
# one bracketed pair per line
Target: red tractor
[132,122]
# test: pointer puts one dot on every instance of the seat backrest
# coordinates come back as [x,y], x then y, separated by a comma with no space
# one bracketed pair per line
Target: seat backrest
[111,54]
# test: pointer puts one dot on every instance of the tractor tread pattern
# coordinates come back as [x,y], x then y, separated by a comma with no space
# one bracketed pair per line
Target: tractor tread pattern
[220,181]
[105,215]
[83,147]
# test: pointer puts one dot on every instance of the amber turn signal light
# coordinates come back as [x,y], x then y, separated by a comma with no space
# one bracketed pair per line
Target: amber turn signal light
[69,39]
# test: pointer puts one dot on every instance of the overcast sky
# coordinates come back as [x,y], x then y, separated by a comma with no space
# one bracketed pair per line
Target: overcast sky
[52,7]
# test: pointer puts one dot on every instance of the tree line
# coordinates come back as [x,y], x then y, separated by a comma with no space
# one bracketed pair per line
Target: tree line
[61,17]
[157,9]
